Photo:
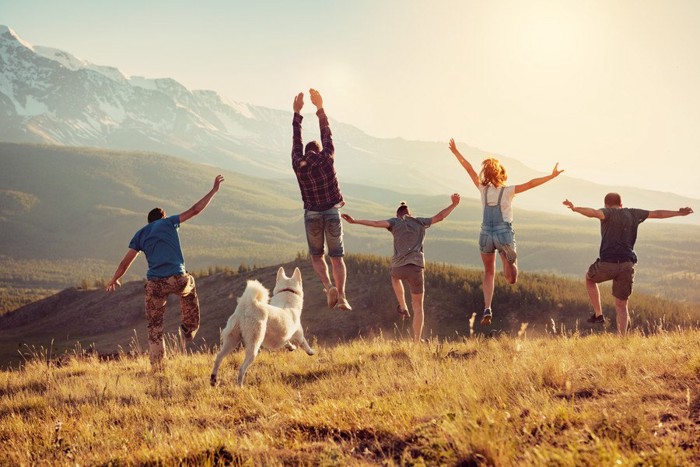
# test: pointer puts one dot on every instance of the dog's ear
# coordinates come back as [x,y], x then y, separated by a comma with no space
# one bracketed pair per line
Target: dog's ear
[281,274]
[297,275]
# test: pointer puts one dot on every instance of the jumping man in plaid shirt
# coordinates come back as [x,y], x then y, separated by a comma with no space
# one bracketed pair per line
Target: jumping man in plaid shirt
[315,171]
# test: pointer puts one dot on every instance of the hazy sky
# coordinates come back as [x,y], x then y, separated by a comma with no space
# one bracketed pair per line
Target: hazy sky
[610,89]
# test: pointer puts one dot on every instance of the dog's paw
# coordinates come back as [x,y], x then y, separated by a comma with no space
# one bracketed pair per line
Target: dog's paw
[311,352]
[213,381]
[289,346]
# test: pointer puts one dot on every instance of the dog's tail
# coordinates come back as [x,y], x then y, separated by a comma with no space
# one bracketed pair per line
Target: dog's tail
[256,294]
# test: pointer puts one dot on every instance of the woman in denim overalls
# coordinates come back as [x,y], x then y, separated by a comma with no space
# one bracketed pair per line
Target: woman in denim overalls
[496,227]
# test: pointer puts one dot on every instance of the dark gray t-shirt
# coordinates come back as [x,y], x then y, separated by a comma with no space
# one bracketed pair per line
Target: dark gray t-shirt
[408,233]
[619,233]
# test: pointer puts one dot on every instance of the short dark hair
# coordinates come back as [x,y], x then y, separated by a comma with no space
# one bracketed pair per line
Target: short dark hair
[613,199]
[314,146]
[155,214]
[402,210]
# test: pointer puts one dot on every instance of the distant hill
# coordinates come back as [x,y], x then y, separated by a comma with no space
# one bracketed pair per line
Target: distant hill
[49,96]
[109,321]
[67,215]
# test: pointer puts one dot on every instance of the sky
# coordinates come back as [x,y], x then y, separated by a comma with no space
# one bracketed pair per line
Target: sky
[610,89]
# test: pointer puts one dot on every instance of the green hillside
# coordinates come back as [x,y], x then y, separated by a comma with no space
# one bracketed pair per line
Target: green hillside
[67,214]
[549,304]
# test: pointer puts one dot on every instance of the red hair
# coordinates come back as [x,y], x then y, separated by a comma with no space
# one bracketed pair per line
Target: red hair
[492,173]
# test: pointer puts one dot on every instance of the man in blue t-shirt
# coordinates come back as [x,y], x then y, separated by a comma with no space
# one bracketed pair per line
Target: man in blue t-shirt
[408,261]
[160,242]
[617,259]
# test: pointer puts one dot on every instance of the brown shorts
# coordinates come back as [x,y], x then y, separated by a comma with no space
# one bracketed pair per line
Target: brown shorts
[622,275]
[412,274]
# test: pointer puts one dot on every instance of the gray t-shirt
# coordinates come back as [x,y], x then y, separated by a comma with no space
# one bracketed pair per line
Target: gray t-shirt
[408,233]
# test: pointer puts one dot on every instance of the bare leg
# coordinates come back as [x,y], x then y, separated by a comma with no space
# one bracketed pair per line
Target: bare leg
[487,284]
[399,292]
[321,269]
[622,316]
[594,295]
[418,318]
[339,273]
[510,271]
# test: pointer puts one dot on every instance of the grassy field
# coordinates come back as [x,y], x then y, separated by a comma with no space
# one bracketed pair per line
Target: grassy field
[594,400]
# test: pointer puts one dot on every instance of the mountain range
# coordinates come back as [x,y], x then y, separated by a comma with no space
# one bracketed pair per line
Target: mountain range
[49,96]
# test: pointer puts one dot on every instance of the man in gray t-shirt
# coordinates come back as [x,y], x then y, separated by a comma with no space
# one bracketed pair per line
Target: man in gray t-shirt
[408,260]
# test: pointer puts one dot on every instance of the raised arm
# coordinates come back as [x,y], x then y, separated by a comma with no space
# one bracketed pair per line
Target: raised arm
[446,212]
[297,142]
[539,180]
[124,266]
[200,205]
[465,163]
[588,212]
[326,135]
[664,214]
[382,224]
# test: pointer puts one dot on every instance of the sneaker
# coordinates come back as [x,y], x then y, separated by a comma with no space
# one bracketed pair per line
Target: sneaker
[404,313]
[331,296]
[486,317]
[343,304]
[596,319]
[186,333]
[509,251]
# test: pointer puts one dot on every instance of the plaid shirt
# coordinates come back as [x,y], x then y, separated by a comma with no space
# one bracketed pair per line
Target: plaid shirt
[316,172]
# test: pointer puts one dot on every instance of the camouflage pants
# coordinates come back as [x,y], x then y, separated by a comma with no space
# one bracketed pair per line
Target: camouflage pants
[157,291]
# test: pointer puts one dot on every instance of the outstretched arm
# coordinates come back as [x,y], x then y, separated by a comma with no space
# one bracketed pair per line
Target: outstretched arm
[446,212]
[465,163]
[664,214]
[538,181]
[383,224]
[588,212]
[124,266]
[200,205]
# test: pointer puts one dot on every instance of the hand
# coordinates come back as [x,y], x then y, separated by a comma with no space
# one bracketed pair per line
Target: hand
[298,102]
[348,218]
[555,170]
[568,204]
[217,182]
[453,147]
[112,286]
[685,211]
[316,98]
[455,199]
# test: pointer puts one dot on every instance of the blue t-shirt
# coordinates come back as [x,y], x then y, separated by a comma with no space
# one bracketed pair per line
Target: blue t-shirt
[160,242]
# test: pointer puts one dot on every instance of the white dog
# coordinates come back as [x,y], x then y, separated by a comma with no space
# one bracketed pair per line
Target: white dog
[256,323]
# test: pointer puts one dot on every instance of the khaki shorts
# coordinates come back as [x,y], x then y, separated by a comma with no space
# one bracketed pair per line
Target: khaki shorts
[411,273]
[622,275]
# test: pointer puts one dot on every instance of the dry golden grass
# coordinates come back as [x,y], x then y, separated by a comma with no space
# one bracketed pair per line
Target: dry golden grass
[595,400]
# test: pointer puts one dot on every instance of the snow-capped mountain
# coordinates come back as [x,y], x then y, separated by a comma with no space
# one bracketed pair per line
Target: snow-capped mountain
[50,96]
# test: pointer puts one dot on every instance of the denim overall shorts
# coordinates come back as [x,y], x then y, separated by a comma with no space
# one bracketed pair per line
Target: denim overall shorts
[497,234]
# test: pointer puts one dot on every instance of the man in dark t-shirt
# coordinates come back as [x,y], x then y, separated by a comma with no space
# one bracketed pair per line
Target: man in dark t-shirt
[617,259]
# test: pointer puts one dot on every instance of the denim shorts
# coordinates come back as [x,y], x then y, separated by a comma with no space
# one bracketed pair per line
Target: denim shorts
[324,227]
[492,239]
